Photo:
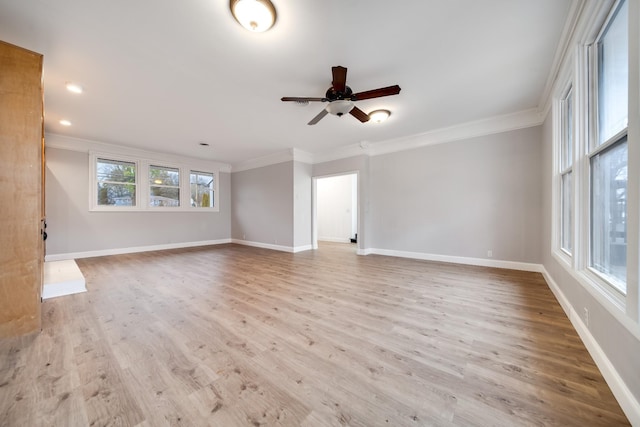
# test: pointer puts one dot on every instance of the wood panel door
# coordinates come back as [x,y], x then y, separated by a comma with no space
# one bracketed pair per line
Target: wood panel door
[21,191]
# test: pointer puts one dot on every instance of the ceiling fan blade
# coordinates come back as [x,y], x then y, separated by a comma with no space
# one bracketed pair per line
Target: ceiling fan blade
[339,78]
[376,93]
[359,114]
[317,118]
[302,99]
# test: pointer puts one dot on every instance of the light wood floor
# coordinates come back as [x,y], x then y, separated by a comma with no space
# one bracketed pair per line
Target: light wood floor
[237,336]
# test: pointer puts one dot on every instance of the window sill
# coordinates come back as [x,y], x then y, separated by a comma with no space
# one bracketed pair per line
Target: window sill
[147,210]
[563,258]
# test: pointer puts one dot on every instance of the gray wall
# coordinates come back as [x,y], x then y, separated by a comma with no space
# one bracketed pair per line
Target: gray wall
[262,204]
[617,342]
[301,204]
[71,228]
[461,198]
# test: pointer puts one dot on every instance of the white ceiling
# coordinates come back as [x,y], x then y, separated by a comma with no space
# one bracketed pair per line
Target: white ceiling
[163,75]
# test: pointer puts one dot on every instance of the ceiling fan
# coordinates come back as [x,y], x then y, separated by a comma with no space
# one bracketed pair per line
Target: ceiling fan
[341,98]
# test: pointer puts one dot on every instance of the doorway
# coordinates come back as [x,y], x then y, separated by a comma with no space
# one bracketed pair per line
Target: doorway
[335,209]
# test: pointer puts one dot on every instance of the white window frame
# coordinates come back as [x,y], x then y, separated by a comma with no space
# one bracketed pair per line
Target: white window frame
[143,185]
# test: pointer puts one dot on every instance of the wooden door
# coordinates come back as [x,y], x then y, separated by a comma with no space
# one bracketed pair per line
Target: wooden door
[21,247]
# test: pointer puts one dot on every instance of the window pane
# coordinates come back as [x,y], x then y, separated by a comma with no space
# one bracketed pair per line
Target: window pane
[613,76]
[566,231]
[116,183]
[202,189]
[567,131]
[608,213]
[164,186]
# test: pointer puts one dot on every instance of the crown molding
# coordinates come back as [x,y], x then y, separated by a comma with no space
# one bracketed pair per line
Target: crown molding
[288,155]
[352,150]
[489,126]
[302,156]
[584,16]
[69,143]
[567,39]
[259,162]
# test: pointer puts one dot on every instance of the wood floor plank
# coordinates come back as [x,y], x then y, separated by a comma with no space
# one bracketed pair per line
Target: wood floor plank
[237,336]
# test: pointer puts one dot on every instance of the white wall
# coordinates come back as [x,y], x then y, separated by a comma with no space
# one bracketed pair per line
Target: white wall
[461,199]
[337,208]
[73,229]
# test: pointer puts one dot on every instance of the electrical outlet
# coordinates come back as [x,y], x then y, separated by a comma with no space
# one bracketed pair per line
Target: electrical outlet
[490,253]
[585,316]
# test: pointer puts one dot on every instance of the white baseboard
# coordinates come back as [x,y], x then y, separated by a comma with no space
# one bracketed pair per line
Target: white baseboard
[119,251]
[62,278]
[511,265]
[629,404]
[281,248]
[334,239]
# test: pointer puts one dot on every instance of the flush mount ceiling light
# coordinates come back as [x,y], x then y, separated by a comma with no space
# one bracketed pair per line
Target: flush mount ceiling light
[379,116]
[254,15]
[74,87]
[340,107]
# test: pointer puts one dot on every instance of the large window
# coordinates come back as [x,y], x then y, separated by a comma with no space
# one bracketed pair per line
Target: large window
[566,172]
[125,183]
[116,183]
[608,151]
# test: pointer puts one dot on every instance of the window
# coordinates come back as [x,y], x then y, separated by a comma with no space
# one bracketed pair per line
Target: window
[202,189]
[566,170]
[608,213]
[613,75]
[164,186]
[608,152]
[116,182]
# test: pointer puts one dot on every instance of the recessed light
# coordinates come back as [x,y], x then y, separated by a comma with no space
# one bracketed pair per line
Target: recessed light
[65,122]
[74,87]
[379,116]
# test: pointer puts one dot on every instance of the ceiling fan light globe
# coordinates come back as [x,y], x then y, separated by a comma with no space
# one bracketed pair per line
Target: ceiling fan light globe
[255,15]
[340,107]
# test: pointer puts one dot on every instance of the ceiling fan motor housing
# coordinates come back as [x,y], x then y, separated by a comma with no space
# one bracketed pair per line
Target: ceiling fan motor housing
[334,95]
